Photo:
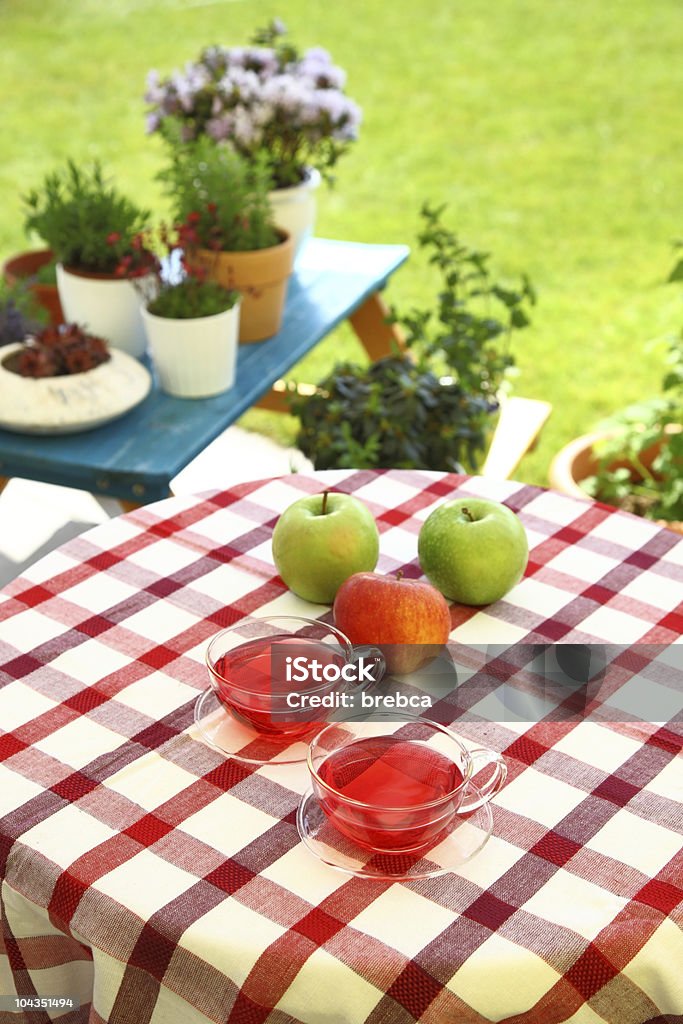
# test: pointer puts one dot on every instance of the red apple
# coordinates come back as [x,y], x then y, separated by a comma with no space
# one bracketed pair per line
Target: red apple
[408,619]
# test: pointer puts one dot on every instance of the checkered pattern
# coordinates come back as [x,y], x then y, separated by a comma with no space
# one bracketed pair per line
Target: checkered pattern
[160,882]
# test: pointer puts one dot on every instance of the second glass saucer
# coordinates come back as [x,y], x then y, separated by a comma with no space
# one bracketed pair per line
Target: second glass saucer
[469,835]
[225,734]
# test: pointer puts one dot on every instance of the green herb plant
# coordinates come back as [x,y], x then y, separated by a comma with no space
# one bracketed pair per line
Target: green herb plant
[88,224]
[219,199]
[191,298]
[433,405]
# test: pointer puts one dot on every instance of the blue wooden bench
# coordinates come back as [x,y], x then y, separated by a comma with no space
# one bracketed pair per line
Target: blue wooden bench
[135,458]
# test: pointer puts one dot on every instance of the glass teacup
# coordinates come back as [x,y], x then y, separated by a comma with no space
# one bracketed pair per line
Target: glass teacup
[396,786]
[283,675]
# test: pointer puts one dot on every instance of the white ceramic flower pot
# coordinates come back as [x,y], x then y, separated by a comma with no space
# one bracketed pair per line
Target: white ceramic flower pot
[194,358]
[109,307]
[295,208]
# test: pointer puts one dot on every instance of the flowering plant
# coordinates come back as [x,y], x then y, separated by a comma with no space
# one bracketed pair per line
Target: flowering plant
[260,97]
[181,288]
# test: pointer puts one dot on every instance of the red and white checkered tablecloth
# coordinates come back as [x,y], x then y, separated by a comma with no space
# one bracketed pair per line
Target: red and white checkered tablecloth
[157,881]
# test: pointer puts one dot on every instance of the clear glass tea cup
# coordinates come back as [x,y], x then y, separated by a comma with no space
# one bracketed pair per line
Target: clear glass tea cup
[263,673]
[395,785]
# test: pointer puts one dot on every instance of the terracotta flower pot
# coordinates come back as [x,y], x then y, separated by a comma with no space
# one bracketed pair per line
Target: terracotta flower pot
[26,265]
[577,461]
[261,275]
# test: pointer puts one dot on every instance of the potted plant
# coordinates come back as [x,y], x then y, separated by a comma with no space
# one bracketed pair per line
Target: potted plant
[192,326]
[635,462]
[92,230]
[225,225]
[36,269]
[266,98]
[63,379]
[434,405]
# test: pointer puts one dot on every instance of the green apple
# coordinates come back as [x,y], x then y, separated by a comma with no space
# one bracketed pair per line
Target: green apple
[473,550]
[320,541]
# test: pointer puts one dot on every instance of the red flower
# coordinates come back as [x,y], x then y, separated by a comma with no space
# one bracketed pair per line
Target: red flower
[123,266]
[194,217]
[51,337]
[36,362]
[113,237]
[78,361]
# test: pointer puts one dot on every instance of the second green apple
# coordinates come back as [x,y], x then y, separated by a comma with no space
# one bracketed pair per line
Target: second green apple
[321,540]
[474,550]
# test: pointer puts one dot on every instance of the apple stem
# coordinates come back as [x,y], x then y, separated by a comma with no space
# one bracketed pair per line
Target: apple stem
[399,574]
[323,511]
[466,512]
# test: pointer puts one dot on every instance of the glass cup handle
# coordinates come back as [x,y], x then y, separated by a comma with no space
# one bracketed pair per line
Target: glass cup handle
[482,757]
[369,653]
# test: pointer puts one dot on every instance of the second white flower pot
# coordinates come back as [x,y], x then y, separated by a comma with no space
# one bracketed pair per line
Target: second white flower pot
[194,358]
[109,307]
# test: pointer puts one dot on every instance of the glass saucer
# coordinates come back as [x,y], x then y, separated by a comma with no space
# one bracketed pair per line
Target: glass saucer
[470,834]
[225,734]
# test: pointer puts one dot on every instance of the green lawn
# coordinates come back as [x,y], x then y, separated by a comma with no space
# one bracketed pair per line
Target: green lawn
[551,130]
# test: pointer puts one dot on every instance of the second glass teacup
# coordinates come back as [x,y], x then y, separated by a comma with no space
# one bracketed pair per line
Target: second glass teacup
[396,785]
[272,673]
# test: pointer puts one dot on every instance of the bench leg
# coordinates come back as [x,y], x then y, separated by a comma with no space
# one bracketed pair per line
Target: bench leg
[132,506]
[278,398]
[377,336]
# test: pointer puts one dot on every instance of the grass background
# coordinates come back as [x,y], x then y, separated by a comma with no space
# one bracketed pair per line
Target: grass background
[553,131]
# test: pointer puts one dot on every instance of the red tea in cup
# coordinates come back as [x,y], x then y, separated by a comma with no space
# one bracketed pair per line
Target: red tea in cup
[397,776]
[252,685]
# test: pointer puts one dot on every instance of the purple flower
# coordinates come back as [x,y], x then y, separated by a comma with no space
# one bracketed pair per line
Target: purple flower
[154,92]
[261,59]
[152,122]
[220,128]
[316,55]
[241,83]
[246,132]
